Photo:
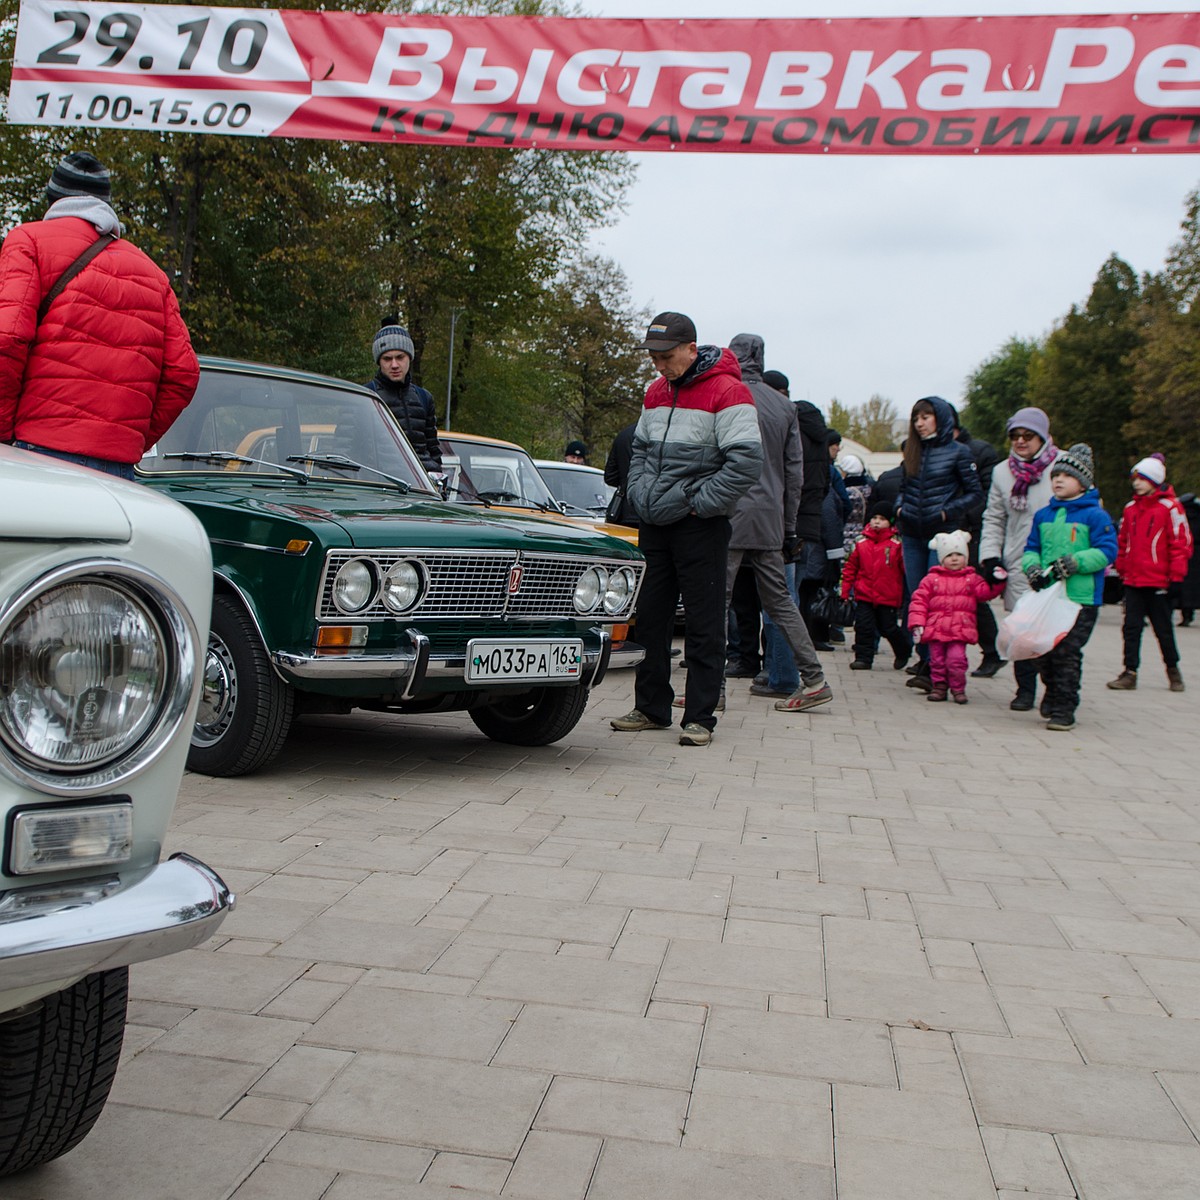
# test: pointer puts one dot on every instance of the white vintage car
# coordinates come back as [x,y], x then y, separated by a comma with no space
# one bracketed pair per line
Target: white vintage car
[105,592]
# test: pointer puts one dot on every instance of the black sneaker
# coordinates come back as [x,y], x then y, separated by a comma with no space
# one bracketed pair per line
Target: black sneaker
[1045,709]
[901,661]
[737,668]
[860,664]
[990,665]
[1061,722]
[1021,702]
[921,682]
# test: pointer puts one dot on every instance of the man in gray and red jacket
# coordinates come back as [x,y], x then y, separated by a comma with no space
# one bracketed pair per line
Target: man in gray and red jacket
[696,451]
[103,375]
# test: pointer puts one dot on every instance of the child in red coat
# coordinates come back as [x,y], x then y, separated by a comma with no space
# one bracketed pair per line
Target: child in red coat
[1154,545]
[941,613]
[874,573]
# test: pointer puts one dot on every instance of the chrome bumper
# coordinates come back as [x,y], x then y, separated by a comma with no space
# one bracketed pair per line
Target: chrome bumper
[410,667]
[62,931]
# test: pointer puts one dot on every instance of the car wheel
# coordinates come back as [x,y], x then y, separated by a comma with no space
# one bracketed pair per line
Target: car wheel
[245,710]
[57,1062]
[534,718]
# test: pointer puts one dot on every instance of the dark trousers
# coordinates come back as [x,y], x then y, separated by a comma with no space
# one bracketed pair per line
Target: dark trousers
[1062,669]
[918,558]
[985,621]
[745,609]
[873,621]
[1140,603]
[1025,672]
[686,559]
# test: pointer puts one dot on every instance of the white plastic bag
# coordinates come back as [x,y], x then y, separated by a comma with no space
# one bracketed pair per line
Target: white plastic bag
[1038,623]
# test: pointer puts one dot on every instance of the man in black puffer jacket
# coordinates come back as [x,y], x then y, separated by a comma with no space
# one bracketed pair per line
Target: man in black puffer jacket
[411,405]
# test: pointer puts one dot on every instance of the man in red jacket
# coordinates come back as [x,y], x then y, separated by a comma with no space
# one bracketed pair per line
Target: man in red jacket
[103,373]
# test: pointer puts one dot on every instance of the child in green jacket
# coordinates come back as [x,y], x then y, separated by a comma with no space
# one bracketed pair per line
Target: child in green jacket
[1072,539]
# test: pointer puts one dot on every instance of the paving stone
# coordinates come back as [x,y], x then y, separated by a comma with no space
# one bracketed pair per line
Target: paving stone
[302,1074]
[727,965]
[124,1156]
[874,946]
[1023,1160]
[547,883]
[347,1153]
[529,917]
[630,1169]
[811,1047]
[468,1172]
[406,1022]
[799,1128]
[275,1181]
[365,944]
[183,1083]
[553,1166]
[1163,1043]
[1117,1169]
[198,977]
[568,980]
[869,1168]
[605,1109]
[1066,1098]
[988,925]
[431,1102]
[935,1121]
[672,895]
[907,999]
[1043,968]
[233,1036]
[612,1046]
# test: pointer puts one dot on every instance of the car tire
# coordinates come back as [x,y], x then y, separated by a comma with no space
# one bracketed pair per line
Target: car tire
[57,1063]
[534,718]
[246,710]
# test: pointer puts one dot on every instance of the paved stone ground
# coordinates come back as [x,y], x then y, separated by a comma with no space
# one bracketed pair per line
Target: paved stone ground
[882,951]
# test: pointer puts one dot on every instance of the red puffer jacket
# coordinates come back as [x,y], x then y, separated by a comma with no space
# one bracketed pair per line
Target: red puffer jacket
[874,572]
[111,366]
[1154,542]
[944,604]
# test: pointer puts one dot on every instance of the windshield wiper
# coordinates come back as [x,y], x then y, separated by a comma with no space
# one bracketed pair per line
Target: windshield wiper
[341,462]
[500,497]
[224,456]
[468,497]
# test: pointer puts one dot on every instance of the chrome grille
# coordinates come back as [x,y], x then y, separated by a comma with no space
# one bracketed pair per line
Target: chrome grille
[474,585]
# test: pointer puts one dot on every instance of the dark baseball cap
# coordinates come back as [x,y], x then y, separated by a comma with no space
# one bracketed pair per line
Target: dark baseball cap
[667,331]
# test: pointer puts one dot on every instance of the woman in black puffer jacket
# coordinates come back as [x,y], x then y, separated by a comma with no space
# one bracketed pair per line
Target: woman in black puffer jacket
[939,492]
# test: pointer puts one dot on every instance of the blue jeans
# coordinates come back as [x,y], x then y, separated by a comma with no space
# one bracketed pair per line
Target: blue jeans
[918,558]
[121,470]
[780,662]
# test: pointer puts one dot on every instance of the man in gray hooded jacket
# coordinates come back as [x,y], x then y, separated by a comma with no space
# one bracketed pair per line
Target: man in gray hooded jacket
[763,521]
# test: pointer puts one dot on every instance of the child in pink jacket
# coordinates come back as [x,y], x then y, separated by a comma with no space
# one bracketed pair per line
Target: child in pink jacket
[941,614]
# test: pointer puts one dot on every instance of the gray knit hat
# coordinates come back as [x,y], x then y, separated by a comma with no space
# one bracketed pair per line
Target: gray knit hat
[1076,461]
[391,337]
[79,174]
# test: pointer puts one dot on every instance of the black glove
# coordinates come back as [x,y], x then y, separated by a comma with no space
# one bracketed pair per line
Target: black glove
[833,572]
[987,570]
[791,549]
[1039,579]
[1064,567]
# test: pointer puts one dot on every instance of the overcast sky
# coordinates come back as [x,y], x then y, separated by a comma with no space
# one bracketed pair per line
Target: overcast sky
[892,275]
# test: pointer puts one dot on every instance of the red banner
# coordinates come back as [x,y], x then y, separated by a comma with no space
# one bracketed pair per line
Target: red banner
[926,85]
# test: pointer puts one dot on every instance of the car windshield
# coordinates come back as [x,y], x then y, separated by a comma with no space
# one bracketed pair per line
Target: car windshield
[582,490]
[273,425]
[482,472]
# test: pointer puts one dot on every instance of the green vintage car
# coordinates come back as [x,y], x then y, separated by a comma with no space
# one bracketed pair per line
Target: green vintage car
[342,580]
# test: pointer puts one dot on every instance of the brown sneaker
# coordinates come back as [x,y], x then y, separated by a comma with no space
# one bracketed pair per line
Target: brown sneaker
[1125,682]
[959,697]
[937,693]
[1174,679]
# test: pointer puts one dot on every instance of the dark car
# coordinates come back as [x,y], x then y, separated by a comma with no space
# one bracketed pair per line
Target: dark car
[342,580]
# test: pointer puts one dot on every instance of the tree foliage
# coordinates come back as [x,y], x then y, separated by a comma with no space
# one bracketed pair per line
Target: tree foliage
[873,424]
[997,388]
[1083,376]
[291,250]
[839,417]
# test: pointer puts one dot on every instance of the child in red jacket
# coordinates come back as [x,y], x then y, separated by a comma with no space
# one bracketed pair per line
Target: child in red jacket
[941,613]
[1154,545]
[874,573]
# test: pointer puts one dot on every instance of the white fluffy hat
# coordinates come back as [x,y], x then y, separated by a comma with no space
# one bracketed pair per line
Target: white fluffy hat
[950,543]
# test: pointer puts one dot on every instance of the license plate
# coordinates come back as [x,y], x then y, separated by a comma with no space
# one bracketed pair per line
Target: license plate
[506,661]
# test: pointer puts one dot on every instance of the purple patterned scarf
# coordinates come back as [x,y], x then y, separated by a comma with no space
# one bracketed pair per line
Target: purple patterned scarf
[1026,474]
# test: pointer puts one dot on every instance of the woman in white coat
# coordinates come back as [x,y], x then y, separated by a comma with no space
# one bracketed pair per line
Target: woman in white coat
[1020,486]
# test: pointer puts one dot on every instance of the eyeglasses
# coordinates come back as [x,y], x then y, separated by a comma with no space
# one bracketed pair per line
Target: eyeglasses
[1021,435]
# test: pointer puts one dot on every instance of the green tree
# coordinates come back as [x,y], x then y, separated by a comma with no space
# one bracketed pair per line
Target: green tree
[1165,414]
[839,417]
[1083,377]
[997,388]
[872,423]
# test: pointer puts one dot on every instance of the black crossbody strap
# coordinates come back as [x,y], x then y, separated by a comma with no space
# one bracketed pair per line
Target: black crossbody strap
[61,282]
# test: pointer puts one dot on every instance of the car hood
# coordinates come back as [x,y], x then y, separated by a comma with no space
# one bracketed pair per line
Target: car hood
[84,506]
[351,515]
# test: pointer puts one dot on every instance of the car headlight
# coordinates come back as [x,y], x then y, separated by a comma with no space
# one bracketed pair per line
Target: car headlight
[590,589]
[354,585]
[98,663]
[402,586]
[620,588]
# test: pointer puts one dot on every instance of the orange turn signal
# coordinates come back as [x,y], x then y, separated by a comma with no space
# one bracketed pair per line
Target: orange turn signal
[340,638]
